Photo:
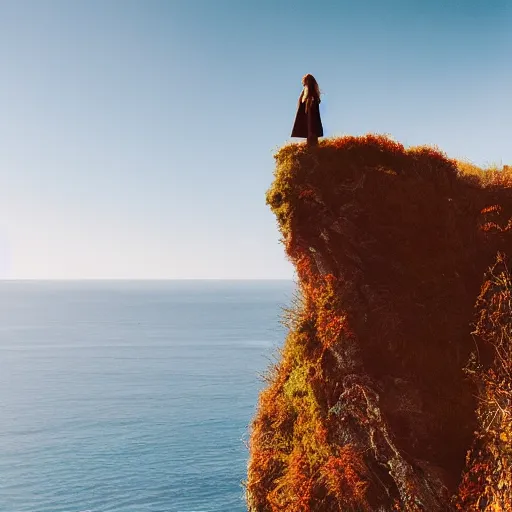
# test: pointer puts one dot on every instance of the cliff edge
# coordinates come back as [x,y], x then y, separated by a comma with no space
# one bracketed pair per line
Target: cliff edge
[389,377]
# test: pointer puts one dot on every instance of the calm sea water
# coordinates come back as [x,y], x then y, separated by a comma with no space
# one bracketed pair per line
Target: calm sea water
[131,396]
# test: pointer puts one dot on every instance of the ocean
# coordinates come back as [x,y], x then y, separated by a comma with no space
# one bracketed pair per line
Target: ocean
[127,396]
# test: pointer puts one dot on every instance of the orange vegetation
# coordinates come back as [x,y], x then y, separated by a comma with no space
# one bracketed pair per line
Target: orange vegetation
[487,482]
[369,407]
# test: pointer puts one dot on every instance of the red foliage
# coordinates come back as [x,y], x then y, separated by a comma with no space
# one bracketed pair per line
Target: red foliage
[346,478]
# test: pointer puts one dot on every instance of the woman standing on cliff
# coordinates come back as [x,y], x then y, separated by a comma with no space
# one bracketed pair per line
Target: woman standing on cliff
[307,121]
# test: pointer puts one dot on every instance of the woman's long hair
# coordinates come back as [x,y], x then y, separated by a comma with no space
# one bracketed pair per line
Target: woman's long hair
[312,85]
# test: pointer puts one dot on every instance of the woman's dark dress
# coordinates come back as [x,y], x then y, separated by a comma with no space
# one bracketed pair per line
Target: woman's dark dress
[300,127]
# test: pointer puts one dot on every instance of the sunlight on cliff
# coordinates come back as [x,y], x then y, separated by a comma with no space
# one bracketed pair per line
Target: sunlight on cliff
[372,404]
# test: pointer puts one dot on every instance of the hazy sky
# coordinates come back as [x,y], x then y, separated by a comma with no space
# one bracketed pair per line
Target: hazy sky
[136,137]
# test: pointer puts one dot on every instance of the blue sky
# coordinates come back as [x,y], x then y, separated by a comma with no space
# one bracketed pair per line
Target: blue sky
[136,137]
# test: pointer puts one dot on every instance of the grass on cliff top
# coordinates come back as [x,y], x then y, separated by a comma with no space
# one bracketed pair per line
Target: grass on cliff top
[485,174]
[302,171]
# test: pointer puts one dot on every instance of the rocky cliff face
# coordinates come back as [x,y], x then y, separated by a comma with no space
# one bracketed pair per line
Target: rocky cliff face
[370,407]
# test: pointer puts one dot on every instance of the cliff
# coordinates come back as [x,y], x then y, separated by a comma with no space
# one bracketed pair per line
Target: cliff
[389,377]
